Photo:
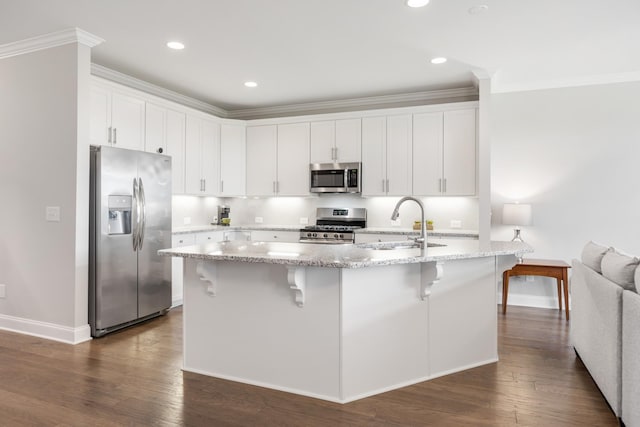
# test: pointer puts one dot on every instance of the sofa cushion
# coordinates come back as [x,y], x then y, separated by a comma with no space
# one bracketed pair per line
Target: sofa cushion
[620,268]
[592,255]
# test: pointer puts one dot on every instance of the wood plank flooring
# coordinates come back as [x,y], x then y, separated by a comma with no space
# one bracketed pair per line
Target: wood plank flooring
[133,377]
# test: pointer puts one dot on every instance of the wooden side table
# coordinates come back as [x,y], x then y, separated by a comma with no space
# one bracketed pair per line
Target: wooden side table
[539,267]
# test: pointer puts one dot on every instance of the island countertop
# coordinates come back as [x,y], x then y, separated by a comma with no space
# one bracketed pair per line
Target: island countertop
[344,256]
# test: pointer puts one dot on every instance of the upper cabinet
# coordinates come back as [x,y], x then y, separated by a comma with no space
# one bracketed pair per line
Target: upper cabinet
[165,133]
[117,119]
[278,160]
[444,153]
[336,141]
[202,151]
[386,155]
[232,160]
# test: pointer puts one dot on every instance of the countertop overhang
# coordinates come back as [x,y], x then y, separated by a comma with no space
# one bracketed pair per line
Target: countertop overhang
[343,256]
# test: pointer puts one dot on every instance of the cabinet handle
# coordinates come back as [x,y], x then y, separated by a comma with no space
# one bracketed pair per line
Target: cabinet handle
[109,137]
[115,135]
[387,186]
[277,187]
[204,185]
[222,186]
[335,157]
[383,187]
[444,182]
[440,185]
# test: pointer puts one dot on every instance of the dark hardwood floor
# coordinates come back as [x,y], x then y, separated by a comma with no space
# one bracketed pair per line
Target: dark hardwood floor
[133,377]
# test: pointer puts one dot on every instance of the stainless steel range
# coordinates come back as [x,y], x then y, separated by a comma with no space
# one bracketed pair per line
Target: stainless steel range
[334,225]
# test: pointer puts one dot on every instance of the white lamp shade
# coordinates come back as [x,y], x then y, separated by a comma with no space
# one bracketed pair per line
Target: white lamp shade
[516,214]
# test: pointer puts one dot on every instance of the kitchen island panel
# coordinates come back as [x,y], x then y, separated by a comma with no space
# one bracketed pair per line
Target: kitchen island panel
[463,316]
[253,331]
[384,330]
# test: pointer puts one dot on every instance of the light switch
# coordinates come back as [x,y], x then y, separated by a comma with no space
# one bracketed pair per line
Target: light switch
[456,223]
[52,213]
[258,220]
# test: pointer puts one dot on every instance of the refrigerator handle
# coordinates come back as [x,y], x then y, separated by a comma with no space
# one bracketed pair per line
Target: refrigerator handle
[143,205]
[136,216]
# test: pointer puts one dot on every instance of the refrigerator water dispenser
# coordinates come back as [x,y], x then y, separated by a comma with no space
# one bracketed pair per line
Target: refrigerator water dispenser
[120,214]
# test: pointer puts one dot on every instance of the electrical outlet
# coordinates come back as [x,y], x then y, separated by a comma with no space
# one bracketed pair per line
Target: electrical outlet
[3,291]
[396,223]
[52,213]
[456,223]
[186,220]
[304,220]
[258,220]
[529,278]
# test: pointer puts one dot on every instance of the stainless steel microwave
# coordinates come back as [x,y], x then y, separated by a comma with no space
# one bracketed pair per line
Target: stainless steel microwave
[335,177]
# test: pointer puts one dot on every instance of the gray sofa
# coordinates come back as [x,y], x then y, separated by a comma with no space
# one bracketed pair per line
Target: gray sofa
[605,314]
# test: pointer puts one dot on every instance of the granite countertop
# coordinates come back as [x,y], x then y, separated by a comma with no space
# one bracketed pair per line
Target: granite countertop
[369,230]
[344,256]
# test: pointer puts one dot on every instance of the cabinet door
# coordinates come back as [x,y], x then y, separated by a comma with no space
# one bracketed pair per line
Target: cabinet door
[232,160]
[175,135]
[177,263]
[193,176]
[374,156]
[460,152]
[427,154]
[127,121]
[210,143]
[155,136]
[100,116]
[322,142]
[293,160]
[261,160]
[349,140]
[399,155]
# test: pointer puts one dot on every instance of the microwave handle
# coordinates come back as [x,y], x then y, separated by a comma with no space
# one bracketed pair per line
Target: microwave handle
[346,180]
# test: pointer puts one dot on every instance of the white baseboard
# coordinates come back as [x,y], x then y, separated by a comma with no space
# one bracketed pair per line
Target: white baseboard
[45,330]
[176,302]
[532,301]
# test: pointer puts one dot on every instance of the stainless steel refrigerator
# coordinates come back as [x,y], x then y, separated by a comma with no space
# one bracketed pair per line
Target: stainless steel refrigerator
[130,220]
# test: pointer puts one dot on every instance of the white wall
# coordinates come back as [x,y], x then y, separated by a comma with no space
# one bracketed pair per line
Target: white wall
[44,264]
[289,210]
[574,154]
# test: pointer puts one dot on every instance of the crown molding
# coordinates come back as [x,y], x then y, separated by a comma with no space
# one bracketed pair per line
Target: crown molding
[47,41]
[126,80]
[385,101]
[601,79]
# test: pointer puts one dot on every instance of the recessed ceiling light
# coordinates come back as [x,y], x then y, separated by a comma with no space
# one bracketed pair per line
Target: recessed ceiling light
[250,84]
[439,60]
[478,9]
[417,3]
[175,45]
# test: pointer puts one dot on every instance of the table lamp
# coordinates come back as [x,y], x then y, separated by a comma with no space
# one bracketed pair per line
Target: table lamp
[517,214]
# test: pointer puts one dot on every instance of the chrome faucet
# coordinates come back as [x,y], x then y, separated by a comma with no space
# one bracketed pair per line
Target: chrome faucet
[422,240]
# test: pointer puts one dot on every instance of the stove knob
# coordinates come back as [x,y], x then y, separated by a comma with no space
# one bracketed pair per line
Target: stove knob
[315,234]
[308,234]
[342,236]
[324,235]
[336,236]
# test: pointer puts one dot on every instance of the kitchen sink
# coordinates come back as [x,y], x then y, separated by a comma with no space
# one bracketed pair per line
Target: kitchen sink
[390,246]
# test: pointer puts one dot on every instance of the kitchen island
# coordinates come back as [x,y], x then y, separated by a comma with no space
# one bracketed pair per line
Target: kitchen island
[340,322]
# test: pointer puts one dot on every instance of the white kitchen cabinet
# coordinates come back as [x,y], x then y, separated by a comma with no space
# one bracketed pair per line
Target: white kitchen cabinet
[117,119]
[336,141]
[293,160]
[275,236]
[209,237]
[202,150]
[278,160]
[444,153]
[386,156]
[262,147]
[165,133]
[177,266]
[381,237]
[232,160]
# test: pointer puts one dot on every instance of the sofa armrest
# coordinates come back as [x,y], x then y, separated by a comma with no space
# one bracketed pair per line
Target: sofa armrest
[596,329]
[631,358]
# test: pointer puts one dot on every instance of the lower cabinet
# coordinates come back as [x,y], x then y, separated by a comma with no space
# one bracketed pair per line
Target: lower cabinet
[177,241]
[275,236]
[372,238]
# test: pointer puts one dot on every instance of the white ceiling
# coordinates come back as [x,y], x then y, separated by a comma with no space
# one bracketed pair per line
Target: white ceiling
[318,50]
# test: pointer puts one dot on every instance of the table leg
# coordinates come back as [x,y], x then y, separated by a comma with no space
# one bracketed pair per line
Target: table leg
[505,290]
[565,280]
[559,280]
